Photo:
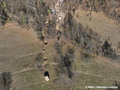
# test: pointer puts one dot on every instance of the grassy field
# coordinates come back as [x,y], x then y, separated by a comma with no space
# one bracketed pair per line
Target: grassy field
[107,28]
[19,48]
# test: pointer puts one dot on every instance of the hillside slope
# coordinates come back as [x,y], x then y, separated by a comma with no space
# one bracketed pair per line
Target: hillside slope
[19,49]
[76,46]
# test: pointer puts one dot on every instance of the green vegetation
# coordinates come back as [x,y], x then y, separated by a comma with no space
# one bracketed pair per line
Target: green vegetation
[23,21]
[48,10]
[4,5]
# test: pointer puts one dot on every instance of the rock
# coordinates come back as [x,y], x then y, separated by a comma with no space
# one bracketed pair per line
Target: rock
[47,78]
[46,74]
[45,58]
[45,42]
[44,48]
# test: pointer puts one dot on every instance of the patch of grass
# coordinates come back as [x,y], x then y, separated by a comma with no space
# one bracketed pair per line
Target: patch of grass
[32,77]
[23,21]
[35,80]
[88,55]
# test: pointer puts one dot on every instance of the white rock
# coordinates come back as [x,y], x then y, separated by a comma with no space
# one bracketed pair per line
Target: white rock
[59,18]
[47,78]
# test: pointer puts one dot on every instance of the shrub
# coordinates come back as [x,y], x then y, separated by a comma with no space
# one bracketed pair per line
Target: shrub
[108,51]
[65,62]
[5,80]
[3,16]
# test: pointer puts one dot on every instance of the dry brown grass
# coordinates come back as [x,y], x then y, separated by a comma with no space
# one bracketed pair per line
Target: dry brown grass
[104,26]
[19,48]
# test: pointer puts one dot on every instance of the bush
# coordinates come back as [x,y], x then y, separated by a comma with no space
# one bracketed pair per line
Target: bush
[108,51]
[65,62]
[3,16]
[5,80]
